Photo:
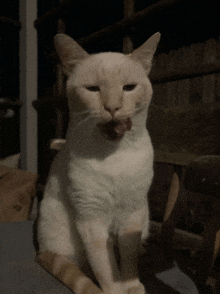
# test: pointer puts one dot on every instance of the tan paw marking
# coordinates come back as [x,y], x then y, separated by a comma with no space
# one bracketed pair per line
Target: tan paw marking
[136,290]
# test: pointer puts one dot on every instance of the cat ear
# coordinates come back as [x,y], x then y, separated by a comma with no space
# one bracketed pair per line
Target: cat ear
[144,54]
[69,52]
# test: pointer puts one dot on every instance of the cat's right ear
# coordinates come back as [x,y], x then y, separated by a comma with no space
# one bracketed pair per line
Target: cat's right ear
[144,54]
[69,52]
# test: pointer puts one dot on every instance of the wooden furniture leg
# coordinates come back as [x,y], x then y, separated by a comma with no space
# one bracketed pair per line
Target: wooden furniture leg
[211,245]
[171,215]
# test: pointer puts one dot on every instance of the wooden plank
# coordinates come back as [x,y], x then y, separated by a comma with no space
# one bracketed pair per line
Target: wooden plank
[182,239]
[10,21]
[160,95]
[208,89]
[180,134]
[128,11]
[197,60]
[170,66]
[28,85]
[209,80]
[217,87]
[195,56]
[53,14]
[216,247]
[123,27]
[172,94]
[183,92]
[173,157]
[189,72]
[172,196]
[195,90]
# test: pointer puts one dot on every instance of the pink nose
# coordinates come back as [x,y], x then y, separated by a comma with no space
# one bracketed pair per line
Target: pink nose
[112,110]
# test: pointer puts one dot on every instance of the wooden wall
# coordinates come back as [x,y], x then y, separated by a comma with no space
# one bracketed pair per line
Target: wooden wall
[196,59]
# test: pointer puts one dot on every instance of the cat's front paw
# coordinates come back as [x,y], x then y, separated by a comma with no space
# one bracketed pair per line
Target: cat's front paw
[117,288]
[135,287]
[136,290]
[92,289]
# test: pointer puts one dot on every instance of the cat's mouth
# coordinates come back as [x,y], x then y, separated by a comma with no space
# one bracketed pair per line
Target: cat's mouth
[115,129]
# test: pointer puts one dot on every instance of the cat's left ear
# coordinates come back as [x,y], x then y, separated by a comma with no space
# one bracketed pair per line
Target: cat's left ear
[69,52]
[144,54]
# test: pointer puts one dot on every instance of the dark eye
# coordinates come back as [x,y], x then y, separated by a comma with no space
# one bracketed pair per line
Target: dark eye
[129,87]
[93,88]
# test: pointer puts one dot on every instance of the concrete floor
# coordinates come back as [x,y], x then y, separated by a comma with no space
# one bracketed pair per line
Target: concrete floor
[19,273]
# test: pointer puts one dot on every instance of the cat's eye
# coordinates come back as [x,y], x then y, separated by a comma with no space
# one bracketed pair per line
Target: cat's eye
[93,88]
[129,87]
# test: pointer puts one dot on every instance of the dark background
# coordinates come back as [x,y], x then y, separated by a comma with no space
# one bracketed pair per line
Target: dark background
[180,24]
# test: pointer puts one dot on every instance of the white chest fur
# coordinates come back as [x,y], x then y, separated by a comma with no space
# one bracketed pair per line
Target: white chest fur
[119,181]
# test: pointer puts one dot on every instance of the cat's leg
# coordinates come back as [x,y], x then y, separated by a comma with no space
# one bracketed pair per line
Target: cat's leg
[67,272]
[61,251]
[101,255]
[129,242]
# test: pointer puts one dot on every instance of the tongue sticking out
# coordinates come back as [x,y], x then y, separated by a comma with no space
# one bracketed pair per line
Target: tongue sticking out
[115,129]
[122,126]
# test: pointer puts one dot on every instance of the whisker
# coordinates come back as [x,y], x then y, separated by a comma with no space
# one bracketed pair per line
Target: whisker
[94,115]
[137,109]
[84,120]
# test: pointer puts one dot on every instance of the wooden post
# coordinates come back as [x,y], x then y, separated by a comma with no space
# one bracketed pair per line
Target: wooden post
[128,11]
[28,85]
[172,197]
[216,247]
[60,83]
[170,217]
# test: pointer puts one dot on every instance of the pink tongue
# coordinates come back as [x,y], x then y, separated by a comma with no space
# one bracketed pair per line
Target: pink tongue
[123,126]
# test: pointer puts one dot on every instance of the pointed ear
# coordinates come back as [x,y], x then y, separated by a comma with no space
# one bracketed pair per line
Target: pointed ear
[144,54]
[69,52]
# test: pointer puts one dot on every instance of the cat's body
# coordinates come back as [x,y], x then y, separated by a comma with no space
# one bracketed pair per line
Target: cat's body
[96,194]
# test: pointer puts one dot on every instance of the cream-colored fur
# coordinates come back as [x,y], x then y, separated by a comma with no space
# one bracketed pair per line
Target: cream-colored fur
[96,194]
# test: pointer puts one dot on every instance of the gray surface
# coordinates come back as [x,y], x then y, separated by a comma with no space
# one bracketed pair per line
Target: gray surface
[19,273]
[177,280]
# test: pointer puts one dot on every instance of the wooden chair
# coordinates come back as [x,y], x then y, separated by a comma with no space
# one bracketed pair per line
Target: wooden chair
[203,176]
[200,176]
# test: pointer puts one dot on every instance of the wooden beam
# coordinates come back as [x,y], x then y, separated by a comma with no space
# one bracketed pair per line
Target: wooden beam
[119,28]
[185,131]
[10,21]
[28,85]
[186,73]
[182,239]
[123,27]
[53,14]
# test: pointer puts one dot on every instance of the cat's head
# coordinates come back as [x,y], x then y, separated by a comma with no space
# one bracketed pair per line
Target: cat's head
[111,86]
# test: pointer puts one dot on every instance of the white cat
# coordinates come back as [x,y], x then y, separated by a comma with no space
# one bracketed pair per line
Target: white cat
[96,193]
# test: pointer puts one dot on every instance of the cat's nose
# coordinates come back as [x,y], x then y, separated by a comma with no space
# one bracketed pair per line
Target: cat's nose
[111,110]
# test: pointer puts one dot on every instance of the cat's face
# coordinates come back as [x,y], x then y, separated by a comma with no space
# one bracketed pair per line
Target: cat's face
[111,86]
